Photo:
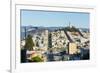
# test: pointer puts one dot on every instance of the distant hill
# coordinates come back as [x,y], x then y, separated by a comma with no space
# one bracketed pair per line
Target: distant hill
[40,29]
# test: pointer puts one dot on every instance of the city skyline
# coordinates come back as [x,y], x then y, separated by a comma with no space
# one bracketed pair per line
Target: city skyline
[54,42]
[54,19]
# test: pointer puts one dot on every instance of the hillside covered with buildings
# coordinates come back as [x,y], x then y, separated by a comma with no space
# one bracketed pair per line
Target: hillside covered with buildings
[45,44]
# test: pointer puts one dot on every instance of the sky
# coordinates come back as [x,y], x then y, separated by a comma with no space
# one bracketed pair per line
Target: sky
[54,19]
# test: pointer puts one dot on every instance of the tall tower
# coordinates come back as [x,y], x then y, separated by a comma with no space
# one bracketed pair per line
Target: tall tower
[69,24]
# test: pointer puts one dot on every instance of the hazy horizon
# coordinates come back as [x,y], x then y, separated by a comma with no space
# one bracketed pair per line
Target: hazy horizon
[51,27]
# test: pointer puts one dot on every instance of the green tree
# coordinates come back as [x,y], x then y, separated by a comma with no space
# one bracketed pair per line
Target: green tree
[37,59]
[74,29]
[71,29]
[29,43]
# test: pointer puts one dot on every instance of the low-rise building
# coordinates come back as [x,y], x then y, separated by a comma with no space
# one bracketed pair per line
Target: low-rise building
[72,48]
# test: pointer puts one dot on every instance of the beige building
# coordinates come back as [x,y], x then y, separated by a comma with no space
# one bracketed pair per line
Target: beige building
[72,48]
